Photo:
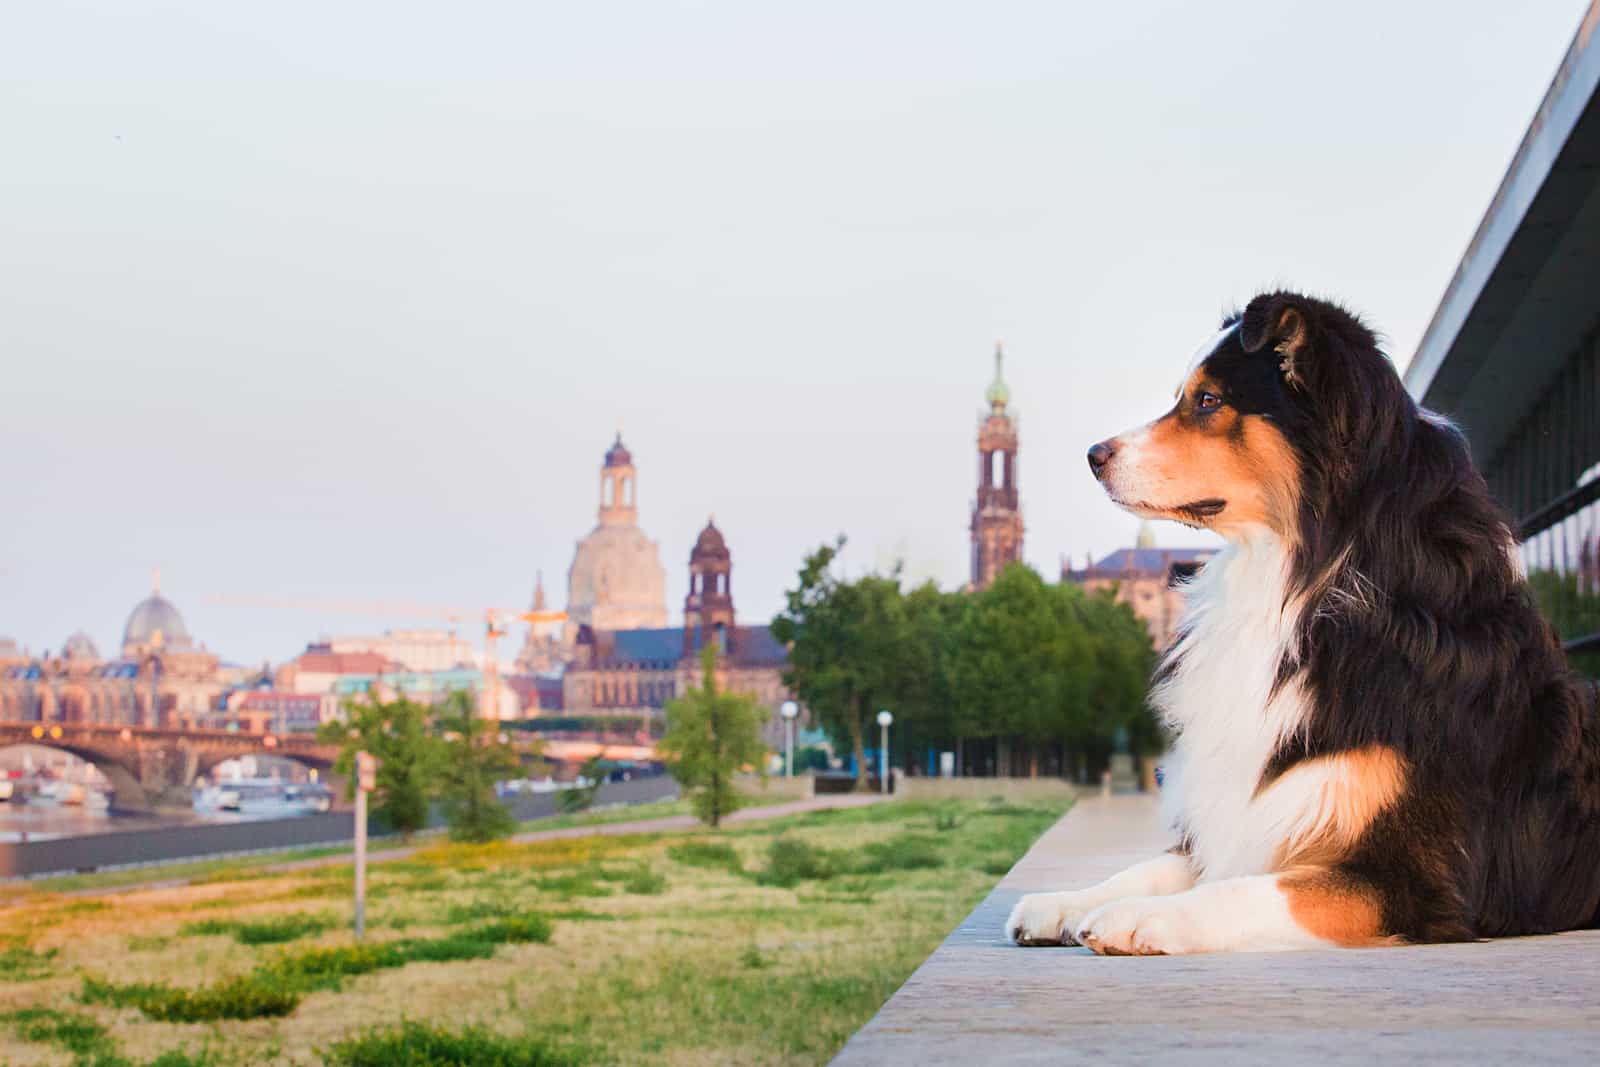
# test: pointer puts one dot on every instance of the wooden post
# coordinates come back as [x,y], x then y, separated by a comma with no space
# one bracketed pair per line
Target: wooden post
[366,781]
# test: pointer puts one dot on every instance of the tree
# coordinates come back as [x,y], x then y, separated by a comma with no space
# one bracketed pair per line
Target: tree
[580,795]
[474,760]
[710,736]
[396,734]
[847,648]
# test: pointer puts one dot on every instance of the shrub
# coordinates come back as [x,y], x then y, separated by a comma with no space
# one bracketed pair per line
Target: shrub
[791,860]
[322,968]
[271,931]
[420,1045]
[575,884]
[479,909]
[946,819]
[709,854]
[645,882]
[20,963]
[516,929]
[75,1033]
[448,949]
[909,852]
[250,996]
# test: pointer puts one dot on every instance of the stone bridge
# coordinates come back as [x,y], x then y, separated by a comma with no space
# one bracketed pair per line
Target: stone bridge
[151,765]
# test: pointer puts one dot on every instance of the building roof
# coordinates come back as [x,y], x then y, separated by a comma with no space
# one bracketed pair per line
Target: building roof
[618,455]
[753,646]
[1522,296]
[710,544]
[1149,560]
[80,646]
[152,616]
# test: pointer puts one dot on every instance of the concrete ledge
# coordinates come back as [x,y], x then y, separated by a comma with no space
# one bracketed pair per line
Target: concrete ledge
[1012,790]
[978,1000]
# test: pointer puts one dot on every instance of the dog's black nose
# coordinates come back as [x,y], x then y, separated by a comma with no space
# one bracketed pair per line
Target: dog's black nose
[1099,456]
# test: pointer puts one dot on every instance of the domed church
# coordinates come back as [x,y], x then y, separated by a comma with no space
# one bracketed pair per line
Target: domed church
[632,672]
[617,581]
[163,678]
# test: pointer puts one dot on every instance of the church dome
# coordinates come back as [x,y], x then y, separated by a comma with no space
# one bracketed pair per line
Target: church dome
[617,581]
[154,615]
[618,455]
[80,646]
[709,545]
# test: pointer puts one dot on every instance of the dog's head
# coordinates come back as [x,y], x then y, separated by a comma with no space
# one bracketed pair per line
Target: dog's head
[1291,402]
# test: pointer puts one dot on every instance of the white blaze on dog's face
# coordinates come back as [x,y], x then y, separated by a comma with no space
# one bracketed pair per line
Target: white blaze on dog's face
[1221,458]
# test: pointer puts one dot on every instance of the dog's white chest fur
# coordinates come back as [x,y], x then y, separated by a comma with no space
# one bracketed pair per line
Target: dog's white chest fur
[1220,703]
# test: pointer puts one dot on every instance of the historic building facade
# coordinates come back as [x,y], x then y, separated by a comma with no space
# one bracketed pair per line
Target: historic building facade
[617,581]
[1146,578]
[162,677]
[632,673]
[996,527]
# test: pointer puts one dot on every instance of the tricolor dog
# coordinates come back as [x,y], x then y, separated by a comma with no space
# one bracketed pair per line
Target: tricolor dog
[1376,738]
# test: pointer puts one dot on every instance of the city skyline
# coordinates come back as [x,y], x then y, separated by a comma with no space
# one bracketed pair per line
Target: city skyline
[357,320]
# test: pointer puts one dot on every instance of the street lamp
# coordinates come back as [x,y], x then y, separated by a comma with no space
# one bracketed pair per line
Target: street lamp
[884,719]
[789,710]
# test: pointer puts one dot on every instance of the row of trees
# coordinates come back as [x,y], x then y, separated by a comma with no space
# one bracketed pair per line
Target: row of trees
[455,757]
[1021,660]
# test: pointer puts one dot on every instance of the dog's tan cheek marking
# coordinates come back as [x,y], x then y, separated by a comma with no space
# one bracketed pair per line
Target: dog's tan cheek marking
[1276,471]
[1339,913]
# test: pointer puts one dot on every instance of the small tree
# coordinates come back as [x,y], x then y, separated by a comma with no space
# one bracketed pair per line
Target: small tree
[395,732]
[474,760]
[710,736]
[580,795]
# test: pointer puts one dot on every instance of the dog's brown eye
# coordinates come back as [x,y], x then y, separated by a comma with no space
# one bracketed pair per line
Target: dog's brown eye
[1208,401]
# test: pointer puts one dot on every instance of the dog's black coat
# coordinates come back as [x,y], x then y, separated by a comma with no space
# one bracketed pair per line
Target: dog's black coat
[1420,635]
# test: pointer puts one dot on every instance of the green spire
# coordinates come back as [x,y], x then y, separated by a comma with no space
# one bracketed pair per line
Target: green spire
[1147,535]
[999,393]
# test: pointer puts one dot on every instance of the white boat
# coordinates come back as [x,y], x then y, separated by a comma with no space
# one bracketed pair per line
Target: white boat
[264,798]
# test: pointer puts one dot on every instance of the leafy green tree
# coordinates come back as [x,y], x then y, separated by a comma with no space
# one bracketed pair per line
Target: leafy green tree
[576,798]
[474,760]
[847,648]
[396,733]
[710,736]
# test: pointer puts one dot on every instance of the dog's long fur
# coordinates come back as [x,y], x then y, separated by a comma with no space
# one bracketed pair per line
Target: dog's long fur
[1376,735]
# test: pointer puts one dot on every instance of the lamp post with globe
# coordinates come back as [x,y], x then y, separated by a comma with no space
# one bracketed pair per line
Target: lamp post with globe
[884,719]
[789,710]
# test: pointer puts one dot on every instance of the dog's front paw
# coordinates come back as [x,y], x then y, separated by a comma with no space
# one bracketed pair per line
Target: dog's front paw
[1134,926]
[1046,918]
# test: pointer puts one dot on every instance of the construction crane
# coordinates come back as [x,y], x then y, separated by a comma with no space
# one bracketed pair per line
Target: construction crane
[495,621]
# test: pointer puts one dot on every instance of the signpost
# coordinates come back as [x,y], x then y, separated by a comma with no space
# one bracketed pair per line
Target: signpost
[366,782]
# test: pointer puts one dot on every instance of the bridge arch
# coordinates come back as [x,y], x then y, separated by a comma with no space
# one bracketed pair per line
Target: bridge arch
[126,789]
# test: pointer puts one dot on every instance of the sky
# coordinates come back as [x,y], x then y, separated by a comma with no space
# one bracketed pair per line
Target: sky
[337,301]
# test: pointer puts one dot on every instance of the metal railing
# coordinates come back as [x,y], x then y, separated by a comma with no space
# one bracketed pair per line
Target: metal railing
[1548,475]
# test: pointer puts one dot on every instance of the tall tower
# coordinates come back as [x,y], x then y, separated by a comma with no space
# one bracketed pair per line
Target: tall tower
[618,484]
[996,514]
[708,609]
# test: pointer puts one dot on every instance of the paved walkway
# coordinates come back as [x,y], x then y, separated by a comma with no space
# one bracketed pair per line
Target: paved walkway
[978,1000]
[665,824]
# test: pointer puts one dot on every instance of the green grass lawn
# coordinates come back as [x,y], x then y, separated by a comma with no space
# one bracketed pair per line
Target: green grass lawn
[763,943]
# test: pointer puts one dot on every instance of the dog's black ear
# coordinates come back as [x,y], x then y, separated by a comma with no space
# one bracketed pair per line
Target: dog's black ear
[1281,321]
